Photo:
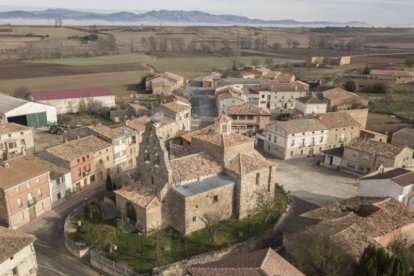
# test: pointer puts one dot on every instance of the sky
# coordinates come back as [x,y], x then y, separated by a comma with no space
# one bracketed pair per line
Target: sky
[373,12]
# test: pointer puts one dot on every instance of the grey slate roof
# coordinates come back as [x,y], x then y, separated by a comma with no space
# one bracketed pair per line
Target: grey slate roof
[205,185]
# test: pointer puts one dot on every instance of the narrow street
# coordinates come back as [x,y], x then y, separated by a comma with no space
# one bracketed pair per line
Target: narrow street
[52,256]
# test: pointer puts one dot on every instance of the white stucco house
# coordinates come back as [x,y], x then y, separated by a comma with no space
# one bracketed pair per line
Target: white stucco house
[67,101]
[397,183]
[311,105]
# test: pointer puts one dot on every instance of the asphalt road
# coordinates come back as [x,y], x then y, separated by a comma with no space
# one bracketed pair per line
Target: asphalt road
[204,109]
[52,256]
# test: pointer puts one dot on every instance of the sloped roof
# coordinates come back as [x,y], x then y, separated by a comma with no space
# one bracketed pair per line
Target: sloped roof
[301,125]
[195,166]
[310,100]
[8,103]
[111,133]
[247,162]
[140,195]
[247,109]
[176,106]
[406,134]
[338,120]
[6,128]
[402,177]
[375,147]
[204,185]
[259,262]
[223,140]
[12,242]
[71,94]
[20,170]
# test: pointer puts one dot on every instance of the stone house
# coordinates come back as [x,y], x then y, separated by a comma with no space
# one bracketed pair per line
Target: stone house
[68,101]
[372,135]
[178,111]
[309,105]
[229,97]
[15,140]
[401,76]
[248,118]
[397,183]
[89,159]
[18,256]
[294,139]
[137,110]
[221,178]
[364,156]
[342,128]
[404,137]
[24,191]
[258,262]
[164,84]
[211,80]
[354,223]
[124,142]
[365,82]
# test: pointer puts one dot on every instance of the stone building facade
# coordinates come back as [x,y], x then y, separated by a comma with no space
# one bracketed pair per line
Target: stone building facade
[221,179]
[15,140]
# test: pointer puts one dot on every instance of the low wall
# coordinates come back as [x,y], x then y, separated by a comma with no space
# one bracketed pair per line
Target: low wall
[110,267]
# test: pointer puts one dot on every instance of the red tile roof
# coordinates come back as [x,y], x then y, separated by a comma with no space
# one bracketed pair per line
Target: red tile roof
[71,94]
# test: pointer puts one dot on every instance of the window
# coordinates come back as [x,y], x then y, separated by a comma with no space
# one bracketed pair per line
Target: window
[39,192]
[250,117]
[30,199]
[42,206]
[12,145]
[107,158]
[257,178]
[292,143]
[23,142]
[15,271]
[17,189]
[274,139]
[291,153]
[19,202]
[321,140]
[215,198]
[194,219]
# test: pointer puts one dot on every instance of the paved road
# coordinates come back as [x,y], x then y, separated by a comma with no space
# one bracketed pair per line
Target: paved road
[52,256]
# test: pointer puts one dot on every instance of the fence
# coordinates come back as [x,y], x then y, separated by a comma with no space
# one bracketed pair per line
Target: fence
[109,266]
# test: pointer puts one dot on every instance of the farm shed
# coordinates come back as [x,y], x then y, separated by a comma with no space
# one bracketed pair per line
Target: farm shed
[27,113]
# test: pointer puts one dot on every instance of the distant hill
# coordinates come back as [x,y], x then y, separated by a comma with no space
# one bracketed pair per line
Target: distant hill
[162,16]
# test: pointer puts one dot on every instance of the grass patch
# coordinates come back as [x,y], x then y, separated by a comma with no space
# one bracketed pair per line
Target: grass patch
[84,119]
[91,61]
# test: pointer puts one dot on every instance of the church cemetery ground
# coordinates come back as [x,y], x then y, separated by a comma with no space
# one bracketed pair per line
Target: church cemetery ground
[144,252]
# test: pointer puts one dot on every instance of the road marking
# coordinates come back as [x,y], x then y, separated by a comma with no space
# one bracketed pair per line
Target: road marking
[52,269]
[42,245]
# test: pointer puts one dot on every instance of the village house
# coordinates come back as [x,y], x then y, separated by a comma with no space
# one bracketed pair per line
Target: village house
[365,156]
[404,137]
[248,118]
[26,113]
[211,80]
[310,105]
[293,139]
[372,135]
[397,183]
[164,84]
[179,110]
[229,96]
[320,60]
[89,159]
[354,224]
[124,142]
[340,100]
[223,177]
[137,110]
[264,262]
[15,140]
[24,191]
[401,76]
[18,256]
[68,101]
[60,180]
[342,128]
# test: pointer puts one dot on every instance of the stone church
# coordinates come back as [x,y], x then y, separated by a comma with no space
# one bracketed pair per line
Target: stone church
[222,176]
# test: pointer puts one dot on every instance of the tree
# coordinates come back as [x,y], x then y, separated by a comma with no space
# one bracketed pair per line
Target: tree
[295,44]
[269,61]
[289,42]
[212,220]
[376,261]
[254,62]
[366,70]
[107,45]
[82,106]
[409,61]
[320,255]
[108,183]
[93,212]
[21,92]
[103,235]
[350,86]
[277,45]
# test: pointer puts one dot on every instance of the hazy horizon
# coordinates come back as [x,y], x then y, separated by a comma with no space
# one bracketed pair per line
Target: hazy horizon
[370,11]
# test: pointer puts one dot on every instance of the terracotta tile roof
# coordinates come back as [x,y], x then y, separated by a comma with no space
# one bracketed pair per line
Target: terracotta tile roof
[358,221]
[140,195]
[195,166]
[375,147]
[111,133]
[406,134]
[223,119]
[6,128]
[71,94]
[259,262]
[176,106]
[310,100]
[244,163]
[138,107]
[301,125]
[20,170]
[247,109]
[338,120]
[343,95]
[139,123]
[12,242]
[223,140]
[55,170]
[189,135]
[79,148]
[178,99]
[402,177]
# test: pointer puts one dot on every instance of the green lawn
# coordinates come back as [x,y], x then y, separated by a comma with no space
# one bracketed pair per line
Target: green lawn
[142,253]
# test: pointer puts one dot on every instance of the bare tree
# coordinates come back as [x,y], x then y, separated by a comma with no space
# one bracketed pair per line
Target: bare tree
[213,220]
[277,45]
[192,46]
[295,44]
[254,62]
[163,42]
[289,42]
[152,43]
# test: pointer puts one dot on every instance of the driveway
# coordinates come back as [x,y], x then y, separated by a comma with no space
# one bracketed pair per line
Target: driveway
[312,185]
